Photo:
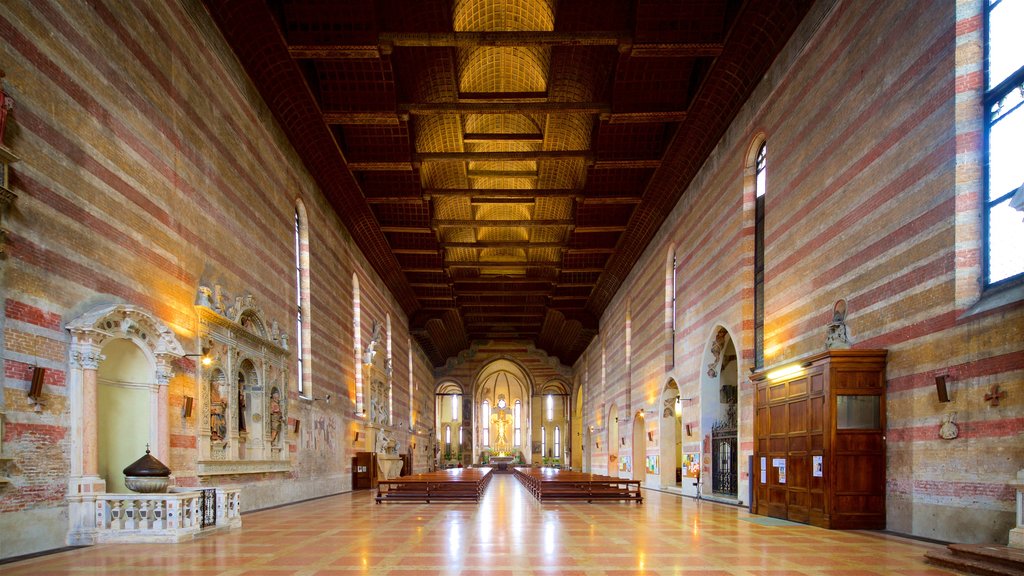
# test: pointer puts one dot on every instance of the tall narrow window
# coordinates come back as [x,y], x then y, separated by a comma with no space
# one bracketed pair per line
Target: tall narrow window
[448,435]
[551,406]
[760,181]
[517,421]
[1004,103]
[485,417]
[304,376]
[672,342]
[412,389]
[456,400]
[460,435]
[558,442]
[543,442]
[298,301]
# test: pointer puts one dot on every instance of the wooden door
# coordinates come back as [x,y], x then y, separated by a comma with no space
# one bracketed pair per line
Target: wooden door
[790,432]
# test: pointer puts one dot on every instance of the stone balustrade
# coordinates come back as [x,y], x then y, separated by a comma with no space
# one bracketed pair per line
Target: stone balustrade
[171,517]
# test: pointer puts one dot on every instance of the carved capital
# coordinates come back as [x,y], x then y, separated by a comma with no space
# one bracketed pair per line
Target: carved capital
[86,359]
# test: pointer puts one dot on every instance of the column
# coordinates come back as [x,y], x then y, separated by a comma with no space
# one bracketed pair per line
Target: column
[85,482]
[162,401]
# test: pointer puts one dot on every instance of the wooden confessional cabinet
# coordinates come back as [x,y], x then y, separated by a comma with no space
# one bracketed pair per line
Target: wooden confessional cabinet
[819,440]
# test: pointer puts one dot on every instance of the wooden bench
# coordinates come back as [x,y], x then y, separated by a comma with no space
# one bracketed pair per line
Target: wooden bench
[446,485]
[554,484]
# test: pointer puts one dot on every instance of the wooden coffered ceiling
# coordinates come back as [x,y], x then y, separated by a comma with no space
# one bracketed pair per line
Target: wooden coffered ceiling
[503,163]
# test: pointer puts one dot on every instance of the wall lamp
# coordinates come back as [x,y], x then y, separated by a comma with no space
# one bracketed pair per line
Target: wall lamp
[326,399]
[204,357]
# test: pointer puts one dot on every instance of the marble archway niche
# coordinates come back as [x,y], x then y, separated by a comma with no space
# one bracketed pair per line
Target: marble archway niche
[381,435]
[90,334]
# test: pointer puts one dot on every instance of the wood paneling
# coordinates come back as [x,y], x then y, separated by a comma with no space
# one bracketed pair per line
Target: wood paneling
[795,421]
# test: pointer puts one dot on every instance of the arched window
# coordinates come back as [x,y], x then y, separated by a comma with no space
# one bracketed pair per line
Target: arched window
[558,442]
[412,388]
[357,345]
[485,416]
[456,400]
[391,378]
[517,422]
[302,347]
[448,435]
[550,403]
[1004,122]
[460,435]
[760,187]
[543,442]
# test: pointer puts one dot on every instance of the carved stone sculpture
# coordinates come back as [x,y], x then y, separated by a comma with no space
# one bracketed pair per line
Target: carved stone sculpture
[837,337]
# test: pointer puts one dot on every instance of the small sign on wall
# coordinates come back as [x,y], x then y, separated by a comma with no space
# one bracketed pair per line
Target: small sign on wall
[764,470]
[780,465]
[816,466]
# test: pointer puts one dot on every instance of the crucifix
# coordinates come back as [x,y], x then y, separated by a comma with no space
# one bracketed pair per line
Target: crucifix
[994,395]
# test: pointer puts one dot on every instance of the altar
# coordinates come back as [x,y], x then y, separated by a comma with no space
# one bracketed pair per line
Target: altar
[501,464]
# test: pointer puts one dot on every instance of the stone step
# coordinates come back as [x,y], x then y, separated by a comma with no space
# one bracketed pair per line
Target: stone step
[968,558]
[1004,555]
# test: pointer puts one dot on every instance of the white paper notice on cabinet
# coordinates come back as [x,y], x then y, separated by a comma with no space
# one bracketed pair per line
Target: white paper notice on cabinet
[764,470]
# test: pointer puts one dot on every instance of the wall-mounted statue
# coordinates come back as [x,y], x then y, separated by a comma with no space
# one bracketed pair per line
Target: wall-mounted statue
[837,337]
[276,417]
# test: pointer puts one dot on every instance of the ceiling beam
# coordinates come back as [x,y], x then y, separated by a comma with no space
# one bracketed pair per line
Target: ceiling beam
[597,229]
[464,281]
[394,199]
[504,293]
[505,96]
[590,250]
[518,156]
[500,264]
[644,117]
[528,174]
[380,166]
[476,137]
[610,200]
[502,107]
[626,164]
[482,201]
[418,251]
[505,192]
[529,38]
[501,223]
[407,229]
[583,270]
[382,117]
[503,244]
[386,41]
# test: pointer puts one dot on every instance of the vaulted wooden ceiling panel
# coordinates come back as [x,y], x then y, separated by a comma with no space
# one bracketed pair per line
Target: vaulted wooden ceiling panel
[503,163]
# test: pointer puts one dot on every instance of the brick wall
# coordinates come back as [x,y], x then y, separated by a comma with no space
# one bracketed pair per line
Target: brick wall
[151,166]
[872,168]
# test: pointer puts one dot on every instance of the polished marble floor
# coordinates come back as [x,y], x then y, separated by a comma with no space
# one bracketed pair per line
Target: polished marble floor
[507,533]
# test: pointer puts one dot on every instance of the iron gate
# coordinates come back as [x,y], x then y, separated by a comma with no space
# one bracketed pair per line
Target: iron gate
[208,507]
[723,458]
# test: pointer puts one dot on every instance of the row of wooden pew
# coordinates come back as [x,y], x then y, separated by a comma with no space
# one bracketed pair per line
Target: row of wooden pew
[452,484]
[554,484]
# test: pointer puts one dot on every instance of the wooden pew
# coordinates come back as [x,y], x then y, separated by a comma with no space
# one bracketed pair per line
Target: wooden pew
[446,485]
[554,484]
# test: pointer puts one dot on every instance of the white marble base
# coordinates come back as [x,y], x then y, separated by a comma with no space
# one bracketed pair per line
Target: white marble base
[389,466]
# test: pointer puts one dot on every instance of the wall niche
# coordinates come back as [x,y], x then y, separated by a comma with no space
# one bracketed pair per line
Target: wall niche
[243,388]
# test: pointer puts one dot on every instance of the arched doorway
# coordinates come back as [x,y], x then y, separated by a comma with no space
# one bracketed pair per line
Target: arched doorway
[448,421]
[639,448]
[124,410]
[719,410]
[613,441]
[671,433]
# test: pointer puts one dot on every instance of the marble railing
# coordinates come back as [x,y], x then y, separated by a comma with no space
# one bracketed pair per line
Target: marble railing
[147,517]
[171,517]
